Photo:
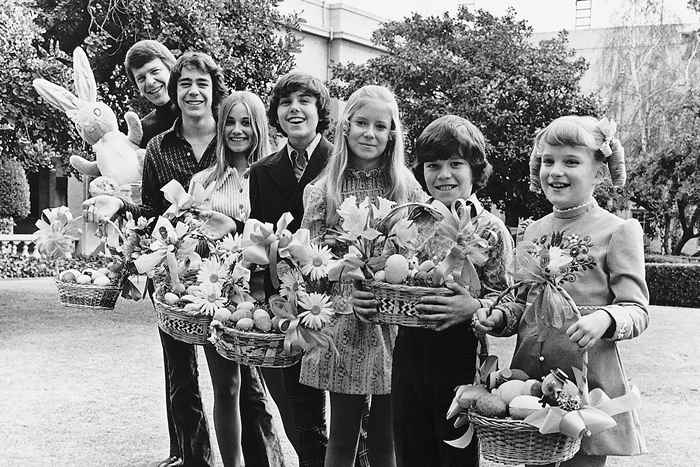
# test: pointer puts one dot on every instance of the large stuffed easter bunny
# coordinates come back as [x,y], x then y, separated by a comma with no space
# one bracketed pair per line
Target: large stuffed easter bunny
[119,161]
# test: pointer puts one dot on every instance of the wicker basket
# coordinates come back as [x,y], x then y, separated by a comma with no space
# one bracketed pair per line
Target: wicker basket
[98,297]
[255,348]
[397,303]
[516,442]
[181,325]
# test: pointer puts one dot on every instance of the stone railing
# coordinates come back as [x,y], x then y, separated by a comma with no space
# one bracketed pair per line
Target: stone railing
[17,245]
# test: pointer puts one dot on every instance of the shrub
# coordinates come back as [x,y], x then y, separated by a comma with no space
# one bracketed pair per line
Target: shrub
[18,266]
[651,258]
[674,284]
[14,190]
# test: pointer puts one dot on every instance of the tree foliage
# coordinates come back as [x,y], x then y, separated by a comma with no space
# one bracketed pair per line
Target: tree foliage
[648,79]
[484,68]
[30,131]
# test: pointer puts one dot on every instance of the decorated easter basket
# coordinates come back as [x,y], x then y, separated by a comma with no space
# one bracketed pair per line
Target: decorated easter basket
[264,349]
[182,325]
[397,303]
[514,442]
[96,297]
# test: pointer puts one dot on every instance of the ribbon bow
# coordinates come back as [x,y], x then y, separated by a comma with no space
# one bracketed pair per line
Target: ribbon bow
[296,247]
[593,418]
[469,248]
[57,233]
[181,200]
[261,243]
[608,128]
[169,243]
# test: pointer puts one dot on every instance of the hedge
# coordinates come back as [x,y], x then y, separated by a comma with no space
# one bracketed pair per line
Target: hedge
[14,190]
[675,284]
[14,267]
[652,258]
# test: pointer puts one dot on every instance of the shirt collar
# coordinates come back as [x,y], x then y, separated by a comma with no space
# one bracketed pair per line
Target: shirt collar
[309,149]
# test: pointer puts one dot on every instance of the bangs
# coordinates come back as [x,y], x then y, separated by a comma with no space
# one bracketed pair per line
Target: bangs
[567,131]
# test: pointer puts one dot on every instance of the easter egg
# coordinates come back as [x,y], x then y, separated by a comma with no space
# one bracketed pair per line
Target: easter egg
[101,280]
[380,276]
[170,298]
[426,265]
[88,272]
[510,389]
[490,405]
[263,322]
[70,275]
[244,324]
[396,269]
[222,314]
[245,306]
[83,279]
[522,406]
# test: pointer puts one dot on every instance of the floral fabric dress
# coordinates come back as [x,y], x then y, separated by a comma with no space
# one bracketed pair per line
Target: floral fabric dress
[365,350]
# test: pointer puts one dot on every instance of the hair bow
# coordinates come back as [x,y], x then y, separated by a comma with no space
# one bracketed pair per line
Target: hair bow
[608,128]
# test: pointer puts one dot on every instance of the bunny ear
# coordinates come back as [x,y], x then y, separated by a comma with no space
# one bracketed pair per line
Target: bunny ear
[85,84]
[57,96]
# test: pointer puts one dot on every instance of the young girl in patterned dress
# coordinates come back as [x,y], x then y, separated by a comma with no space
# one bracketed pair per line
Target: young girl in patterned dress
[367,161]
[606,279]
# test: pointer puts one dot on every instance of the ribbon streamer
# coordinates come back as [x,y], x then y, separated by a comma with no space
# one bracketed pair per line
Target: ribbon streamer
[181,200]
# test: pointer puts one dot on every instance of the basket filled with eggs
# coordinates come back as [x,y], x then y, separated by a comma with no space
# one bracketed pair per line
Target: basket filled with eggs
[276,334]
[251,335]
[430,248]
[102,277]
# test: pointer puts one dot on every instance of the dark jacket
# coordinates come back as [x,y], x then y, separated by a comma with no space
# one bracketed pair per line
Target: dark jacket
[275,190]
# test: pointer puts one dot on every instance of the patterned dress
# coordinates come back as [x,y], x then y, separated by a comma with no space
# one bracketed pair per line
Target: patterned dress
[364,364]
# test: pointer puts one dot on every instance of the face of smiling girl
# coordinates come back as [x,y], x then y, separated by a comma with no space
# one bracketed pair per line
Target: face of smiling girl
[238,130]
[368,134]
[448,179]
[568,175]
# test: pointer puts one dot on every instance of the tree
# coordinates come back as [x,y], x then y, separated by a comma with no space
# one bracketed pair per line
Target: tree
[484,68]
[250,39]
[30,131]
[647,79]
[14,193]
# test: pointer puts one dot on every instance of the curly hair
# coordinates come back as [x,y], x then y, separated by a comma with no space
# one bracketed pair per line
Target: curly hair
[293,82]
[205,64]
[145,51]
[452,135]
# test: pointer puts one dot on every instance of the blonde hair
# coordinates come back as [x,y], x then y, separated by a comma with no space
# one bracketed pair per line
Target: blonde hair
[260,146]
[393,160]
[581,131]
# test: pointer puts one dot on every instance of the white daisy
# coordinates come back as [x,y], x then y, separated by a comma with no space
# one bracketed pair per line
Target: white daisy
[317,265]
[211,272]
[291,284]
[319,310]
[206,299]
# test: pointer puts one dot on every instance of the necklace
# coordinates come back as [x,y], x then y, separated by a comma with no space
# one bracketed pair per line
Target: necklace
[574,208]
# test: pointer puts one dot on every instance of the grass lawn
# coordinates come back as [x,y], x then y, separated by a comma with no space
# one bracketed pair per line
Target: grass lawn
[85,388]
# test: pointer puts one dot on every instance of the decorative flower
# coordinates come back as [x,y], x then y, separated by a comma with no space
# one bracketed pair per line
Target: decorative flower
[558,260]
[317,265]
[211,272]
[354,215]
[292,284]
[319,310]
[55,238]
[205,299]
[382,208]
[231,243]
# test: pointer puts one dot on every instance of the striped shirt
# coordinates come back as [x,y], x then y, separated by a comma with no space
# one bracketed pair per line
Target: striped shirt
[230,195]
[168,157]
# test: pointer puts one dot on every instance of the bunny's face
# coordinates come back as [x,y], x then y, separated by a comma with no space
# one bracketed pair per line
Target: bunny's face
[94,120]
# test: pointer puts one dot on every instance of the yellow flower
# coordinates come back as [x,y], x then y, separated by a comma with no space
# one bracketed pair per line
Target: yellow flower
[319,310]
[317,265]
